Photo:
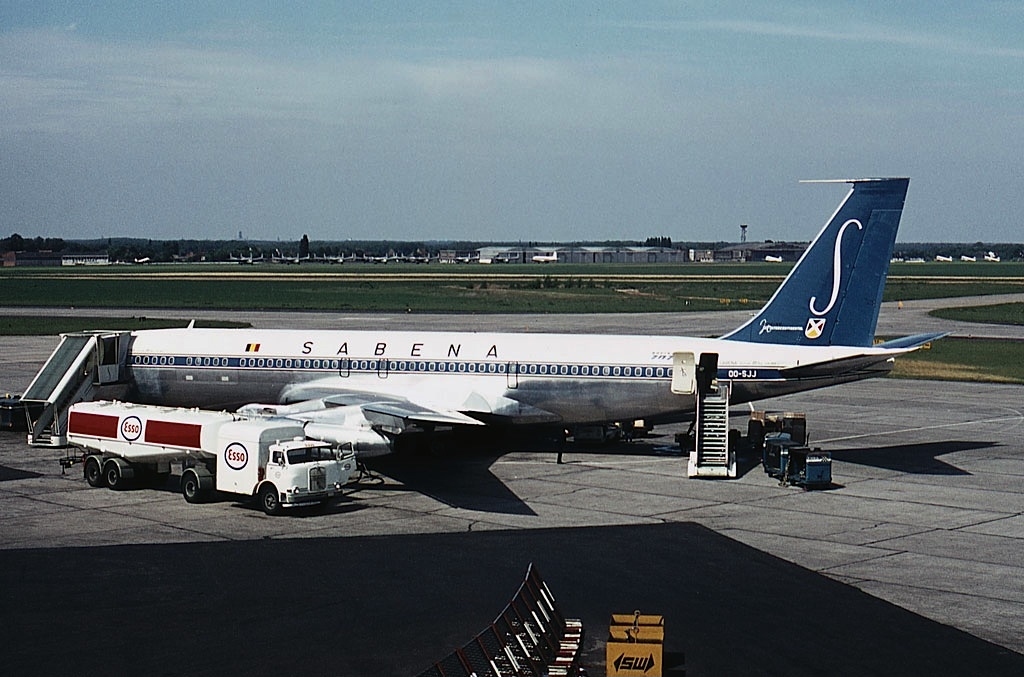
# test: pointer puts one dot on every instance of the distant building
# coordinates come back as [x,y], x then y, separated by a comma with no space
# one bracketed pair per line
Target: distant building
[754,251]
[41,259]
[584,254]
[85,260]
[31,259]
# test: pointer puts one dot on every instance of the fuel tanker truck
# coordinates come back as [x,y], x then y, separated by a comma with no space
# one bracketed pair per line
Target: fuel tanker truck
[266,458]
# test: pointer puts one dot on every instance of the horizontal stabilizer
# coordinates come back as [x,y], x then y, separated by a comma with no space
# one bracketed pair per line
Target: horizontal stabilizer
[912,342]
[847,366]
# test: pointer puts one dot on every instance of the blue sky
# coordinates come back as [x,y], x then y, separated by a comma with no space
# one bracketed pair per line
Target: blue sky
[505,121]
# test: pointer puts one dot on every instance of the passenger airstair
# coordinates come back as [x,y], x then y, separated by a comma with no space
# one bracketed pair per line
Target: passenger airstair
[711,455]
[81,363]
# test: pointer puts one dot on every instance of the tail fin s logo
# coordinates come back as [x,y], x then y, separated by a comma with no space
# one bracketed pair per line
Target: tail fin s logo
[815,326]
[837,271]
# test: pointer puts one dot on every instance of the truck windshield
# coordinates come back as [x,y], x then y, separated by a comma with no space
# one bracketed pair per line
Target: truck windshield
[310,454]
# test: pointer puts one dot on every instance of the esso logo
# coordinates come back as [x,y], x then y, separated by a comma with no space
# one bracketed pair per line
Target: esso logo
[131,428]
[236,456]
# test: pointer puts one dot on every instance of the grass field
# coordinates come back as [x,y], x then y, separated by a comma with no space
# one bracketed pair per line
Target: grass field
[554,288]
[963,359]
[998,313]
[529,295]
[48,326]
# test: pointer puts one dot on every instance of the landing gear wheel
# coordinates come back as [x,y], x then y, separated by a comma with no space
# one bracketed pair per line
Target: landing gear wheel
[93,472]
[269,500]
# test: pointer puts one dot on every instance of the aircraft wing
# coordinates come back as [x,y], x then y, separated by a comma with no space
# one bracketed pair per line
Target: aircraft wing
[409,411]
[468,406]
[340,408]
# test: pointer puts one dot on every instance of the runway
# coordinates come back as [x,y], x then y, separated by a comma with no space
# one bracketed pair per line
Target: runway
[909,565]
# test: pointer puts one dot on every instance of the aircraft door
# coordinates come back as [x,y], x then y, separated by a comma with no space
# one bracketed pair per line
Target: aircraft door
[707,373]
[512,374]
[111,354]
[684,373]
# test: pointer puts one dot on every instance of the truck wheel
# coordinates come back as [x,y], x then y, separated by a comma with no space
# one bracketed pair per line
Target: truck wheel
[112,475]
[93,472]
[191,488]
[269,500]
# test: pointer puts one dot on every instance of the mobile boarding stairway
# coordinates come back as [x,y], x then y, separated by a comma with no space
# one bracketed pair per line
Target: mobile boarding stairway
[711,455]
[82,363]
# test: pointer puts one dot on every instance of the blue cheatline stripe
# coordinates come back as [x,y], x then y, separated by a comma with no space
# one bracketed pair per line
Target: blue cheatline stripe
[458,367]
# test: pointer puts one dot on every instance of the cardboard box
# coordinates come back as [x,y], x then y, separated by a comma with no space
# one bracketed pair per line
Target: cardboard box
[635,645]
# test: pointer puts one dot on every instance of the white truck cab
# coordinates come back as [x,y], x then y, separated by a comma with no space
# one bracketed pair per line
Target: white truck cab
[279,465]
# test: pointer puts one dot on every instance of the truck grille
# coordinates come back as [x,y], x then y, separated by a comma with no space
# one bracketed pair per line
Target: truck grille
[317,479]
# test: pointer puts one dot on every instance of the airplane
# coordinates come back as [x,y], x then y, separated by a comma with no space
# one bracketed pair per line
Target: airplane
[968,259]
[365,387]
[278,257]
[943,259]
[992,257]
[246,260]
[545,258]
[773,259]
[384,259]
[328,258]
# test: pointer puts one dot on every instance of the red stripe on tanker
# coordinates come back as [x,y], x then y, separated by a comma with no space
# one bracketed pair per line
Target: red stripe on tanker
[177,434]
[97,425]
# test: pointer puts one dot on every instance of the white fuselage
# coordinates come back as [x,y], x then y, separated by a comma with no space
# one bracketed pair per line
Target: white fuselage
[516,377]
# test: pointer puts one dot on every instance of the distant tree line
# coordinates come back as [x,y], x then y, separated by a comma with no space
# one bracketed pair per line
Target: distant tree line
[17,243]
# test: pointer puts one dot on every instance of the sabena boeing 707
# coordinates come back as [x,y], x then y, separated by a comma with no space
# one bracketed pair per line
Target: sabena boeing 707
[365,387]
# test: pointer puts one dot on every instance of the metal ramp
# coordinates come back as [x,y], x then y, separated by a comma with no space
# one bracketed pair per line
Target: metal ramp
[81,362]
[711,455]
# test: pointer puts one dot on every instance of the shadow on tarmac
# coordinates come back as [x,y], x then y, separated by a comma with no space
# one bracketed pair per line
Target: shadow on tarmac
[392,605]
[8,474]
[914,459]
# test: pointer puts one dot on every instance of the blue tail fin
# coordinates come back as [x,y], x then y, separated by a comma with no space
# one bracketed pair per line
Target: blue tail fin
[833,294]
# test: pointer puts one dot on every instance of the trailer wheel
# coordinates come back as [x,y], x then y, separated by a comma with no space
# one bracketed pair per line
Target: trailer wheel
[269,500]
[191,487]
[93,472]
[112,475]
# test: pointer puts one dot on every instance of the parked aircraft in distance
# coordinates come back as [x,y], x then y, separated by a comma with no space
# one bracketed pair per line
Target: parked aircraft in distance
[328,258]
[968,259]
[365,386]
[278,257]
[246,260]
[992,257]
[545,258]
[944,259]
[773,259]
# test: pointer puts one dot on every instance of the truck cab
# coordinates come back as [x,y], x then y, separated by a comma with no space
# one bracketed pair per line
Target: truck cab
[279,465]
[303,471]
